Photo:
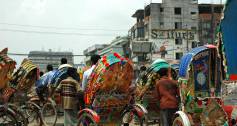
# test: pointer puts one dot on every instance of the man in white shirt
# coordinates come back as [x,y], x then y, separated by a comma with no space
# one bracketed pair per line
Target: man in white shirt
[87,73]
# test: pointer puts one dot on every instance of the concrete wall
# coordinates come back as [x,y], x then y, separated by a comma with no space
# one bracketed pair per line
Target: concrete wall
[169,18]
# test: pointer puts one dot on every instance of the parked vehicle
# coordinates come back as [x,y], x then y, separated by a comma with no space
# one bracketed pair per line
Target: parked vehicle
[200,89]
[227,50]
[145,90]
[109,95]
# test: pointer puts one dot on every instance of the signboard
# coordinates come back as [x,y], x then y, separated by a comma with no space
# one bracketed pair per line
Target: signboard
[173,34]
[141,47]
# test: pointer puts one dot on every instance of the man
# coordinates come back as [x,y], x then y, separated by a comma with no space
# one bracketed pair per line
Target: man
[41,73]
[43,83]
[66,70]
[64,64]
[49,68]
[68,89]
[167,92]
[87,73]
[66,81]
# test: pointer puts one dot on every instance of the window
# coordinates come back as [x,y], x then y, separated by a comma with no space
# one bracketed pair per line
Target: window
[193,13]
[204,10]
[141,58]
[133,34]
[146,30]
[205,33]
[178,55]
[162,24]
[194,44]
[207,25]
[161,9]
[178,25]
[194,28]
[218,9]
[178,41]
[140,33]
[209,40]
[177,11]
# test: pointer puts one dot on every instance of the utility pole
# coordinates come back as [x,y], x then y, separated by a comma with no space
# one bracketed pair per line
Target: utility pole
[212,24]
[187,36]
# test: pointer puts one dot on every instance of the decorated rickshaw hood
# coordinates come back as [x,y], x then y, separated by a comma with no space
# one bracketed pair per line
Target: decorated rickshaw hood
[25,76]
[187,59]
[112,75]
[111,59]
[157,65]
[7,66]
[228,30]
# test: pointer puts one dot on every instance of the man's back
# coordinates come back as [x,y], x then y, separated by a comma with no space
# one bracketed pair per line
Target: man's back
[68,89]
[167,92]
[86,76]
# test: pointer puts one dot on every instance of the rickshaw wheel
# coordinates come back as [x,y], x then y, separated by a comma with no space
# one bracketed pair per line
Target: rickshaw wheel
[86,120]
[178,122]
[32,113]
[49,114]
[130,118]
[19,115]
[8,118]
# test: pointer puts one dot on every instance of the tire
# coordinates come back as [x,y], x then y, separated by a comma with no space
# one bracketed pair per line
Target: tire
[178,122]
[86,120]
[31,112]
[49,114]
[22,121]
[130,118]
[7,118]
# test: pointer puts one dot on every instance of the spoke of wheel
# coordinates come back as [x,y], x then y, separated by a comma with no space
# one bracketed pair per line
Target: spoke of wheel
[49,114]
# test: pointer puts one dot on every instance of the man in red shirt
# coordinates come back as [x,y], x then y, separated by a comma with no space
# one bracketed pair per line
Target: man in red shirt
[167,92]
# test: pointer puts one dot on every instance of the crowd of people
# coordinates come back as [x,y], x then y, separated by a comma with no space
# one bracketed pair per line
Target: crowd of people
[72,88]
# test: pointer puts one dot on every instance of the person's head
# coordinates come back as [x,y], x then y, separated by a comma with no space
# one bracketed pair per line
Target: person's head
[63,61]
[143,68]
[94,59]
[49,67]
[41,73]
[163,72]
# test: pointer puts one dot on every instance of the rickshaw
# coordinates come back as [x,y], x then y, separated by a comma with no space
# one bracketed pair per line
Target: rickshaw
[200,89]
[230,100]
[145,91]
[109,94]
[7,65]
[228,49]
[19,86]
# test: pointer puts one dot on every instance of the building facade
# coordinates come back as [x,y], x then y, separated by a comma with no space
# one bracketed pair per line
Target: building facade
[43,58]
[92,50]
[209,19]
[120,45]
[167,30]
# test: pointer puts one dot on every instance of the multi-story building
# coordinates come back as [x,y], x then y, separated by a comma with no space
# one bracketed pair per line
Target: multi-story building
[93,50]
[209,19]
[167,30]
[43,58]
[119,45]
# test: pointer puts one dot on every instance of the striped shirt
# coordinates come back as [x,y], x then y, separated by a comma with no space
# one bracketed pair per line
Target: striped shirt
[68,89]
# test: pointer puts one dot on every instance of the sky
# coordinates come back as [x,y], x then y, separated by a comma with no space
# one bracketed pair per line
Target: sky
[65,25]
